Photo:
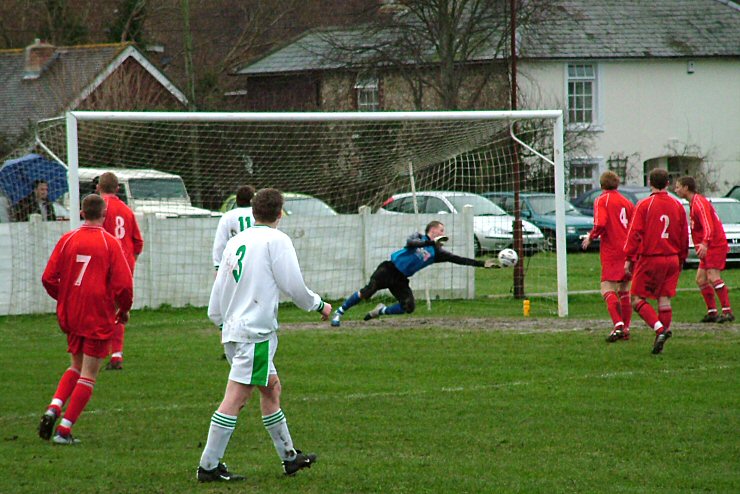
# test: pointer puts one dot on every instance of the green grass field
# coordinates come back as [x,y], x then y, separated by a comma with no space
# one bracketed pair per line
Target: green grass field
[548,407]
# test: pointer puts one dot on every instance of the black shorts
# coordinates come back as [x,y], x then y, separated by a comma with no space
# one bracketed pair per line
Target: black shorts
[388,276]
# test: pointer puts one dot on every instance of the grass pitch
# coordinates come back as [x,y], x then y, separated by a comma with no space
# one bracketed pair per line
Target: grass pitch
[430,407]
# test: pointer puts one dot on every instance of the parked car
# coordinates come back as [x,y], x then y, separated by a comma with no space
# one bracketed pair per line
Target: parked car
[728,210]
[147,191]
[734,192]
[492,226]
[299,204]
[585,202]
[539,208]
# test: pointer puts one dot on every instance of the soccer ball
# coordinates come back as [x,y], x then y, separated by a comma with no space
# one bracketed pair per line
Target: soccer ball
[507,258]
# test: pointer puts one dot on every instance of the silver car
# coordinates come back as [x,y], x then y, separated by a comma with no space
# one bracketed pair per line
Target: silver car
[728,210]
[492,226]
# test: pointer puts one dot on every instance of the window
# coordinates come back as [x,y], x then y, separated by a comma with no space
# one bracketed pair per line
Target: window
[582,177]
[368,93]
[581,93]
[436,205]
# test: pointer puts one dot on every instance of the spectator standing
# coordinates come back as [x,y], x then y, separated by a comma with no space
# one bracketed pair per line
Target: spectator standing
[37,202]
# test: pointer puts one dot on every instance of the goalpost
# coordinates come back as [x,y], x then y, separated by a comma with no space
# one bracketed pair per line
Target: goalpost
[354,162]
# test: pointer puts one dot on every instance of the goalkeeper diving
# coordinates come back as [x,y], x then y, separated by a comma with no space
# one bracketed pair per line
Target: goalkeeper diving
[420,251]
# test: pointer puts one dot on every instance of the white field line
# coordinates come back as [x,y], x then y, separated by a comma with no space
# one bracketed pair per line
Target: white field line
[396,394]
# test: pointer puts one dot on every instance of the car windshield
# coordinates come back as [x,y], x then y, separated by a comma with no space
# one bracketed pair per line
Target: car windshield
[157,188]
[307,206]
[639,196]
[728,212]
[481,205]
[546,205]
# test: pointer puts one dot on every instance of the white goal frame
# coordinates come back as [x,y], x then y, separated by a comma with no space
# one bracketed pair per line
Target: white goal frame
[556,116]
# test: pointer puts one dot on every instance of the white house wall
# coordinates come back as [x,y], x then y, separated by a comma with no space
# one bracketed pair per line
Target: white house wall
[650,107]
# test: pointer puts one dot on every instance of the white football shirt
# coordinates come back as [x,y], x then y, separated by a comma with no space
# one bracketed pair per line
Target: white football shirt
[258,264]
[232,222]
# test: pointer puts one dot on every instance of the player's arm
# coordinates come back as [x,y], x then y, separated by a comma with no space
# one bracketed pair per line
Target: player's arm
[136,237]
[416,240]
[443,255]
[121,283]
[219,241]
[289,279]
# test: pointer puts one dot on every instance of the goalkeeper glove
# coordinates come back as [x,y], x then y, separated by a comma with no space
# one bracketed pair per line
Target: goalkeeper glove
[491,263]
[440,241]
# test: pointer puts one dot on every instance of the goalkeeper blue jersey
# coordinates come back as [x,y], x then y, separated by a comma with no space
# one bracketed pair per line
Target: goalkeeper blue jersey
[409,260]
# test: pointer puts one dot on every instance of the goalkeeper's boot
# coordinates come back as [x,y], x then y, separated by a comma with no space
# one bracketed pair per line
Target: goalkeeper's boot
[219,474]
[300,461]
[46,427]
[616,334]
[710,317]
[375,313]
[336,320]
[660,338]
[726,317]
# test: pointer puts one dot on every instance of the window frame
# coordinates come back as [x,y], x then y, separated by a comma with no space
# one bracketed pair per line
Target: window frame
[596,122]
[367,92]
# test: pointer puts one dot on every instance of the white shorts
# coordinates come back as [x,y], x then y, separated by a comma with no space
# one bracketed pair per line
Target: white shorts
[251,363]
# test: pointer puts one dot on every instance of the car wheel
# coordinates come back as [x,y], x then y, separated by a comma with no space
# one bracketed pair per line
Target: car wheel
[477,250]
[549,239]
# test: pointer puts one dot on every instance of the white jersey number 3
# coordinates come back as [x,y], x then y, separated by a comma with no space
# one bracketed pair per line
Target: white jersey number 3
[664,218]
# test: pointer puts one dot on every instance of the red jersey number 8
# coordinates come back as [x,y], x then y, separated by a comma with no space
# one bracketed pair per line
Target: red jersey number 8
[120,227]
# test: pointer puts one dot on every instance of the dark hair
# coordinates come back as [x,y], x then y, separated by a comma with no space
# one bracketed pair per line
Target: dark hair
[688,182]
[609,180]
[431,225]
[267,205]
[93,206]
[244,195]
[38,182]
[108,183]
[659,178]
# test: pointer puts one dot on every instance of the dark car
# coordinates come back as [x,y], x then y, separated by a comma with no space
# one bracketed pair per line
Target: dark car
[585,202]
[734,192]
[539,208]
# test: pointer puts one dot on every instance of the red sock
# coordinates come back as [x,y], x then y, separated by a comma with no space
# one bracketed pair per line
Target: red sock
[724,296]
[117,339]
[708,293]
[665,315]
[624,299]
[647,313]
[612,305]
[80,396]
[64,388]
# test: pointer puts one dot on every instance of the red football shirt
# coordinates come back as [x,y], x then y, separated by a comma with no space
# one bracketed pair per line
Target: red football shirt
[658,228]
[87,274]
[121,222]
[706,227]
[612,214]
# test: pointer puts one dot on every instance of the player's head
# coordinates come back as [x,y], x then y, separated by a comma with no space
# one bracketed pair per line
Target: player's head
[435,229]
[93,207]
[609,180]
[108,183]
[658,178]
[685,186]
[244,196]
[267,205]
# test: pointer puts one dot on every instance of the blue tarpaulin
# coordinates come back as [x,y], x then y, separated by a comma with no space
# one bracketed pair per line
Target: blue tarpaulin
[17,177]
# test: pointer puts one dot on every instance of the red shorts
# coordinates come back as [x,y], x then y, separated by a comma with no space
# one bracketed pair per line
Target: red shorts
[88,346]
[656,277]
[716,258]
[612,269]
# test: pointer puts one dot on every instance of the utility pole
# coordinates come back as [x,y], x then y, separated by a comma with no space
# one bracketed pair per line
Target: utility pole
[518,240]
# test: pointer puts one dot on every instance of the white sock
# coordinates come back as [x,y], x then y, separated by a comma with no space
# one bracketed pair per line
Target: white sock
[277,426]
[222,426]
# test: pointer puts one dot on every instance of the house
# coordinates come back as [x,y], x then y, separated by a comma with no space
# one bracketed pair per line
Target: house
[42,81]
[654,84]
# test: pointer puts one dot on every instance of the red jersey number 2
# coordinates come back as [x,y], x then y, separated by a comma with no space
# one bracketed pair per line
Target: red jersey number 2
[667,221]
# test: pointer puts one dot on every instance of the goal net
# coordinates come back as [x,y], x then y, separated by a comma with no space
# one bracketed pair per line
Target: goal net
[356,184]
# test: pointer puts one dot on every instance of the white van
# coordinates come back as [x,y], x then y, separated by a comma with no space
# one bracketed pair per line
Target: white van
[147,191]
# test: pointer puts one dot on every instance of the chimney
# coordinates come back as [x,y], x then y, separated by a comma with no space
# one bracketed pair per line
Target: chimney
[38,57]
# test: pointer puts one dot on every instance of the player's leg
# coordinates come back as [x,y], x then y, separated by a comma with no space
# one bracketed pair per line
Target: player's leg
[626,306]
[714,276]
[116,357]
[249,366]
[400,289]
[609,294]
[93,353]
[643,287]
[670,267]
[64,390]
[377,282]
[707,293]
